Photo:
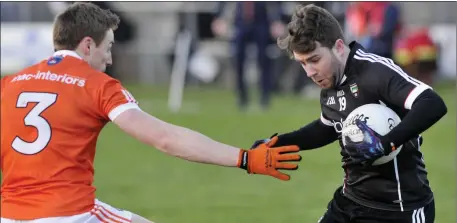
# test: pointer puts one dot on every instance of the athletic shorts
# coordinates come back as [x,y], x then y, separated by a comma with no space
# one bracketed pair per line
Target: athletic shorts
[101,213]
[343,210]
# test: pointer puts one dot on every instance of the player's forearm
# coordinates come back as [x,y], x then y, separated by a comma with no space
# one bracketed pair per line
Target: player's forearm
[312,136]
[425,112]
[176,141]
[193,146]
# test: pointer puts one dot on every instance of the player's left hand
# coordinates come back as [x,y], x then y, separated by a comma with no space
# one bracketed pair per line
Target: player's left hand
[369,149]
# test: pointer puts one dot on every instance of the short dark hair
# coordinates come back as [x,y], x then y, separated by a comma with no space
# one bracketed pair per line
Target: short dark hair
[82,20]
[309,24]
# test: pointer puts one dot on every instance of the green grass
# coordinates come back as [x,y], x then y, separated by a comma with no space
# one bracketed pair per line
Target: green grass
[165,189]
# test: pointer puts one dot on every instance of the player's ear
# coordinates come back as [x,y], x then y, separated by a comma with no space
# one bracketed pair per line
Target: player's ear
[339,47]
[85,45]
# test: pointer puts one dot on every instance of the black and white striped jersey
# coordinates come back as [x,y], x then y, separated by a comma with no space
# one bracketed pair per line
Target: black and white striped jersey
[399,185]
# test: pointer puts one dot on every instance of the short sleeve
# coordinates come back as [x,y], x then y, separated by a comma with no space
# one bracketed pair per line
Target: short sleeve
[386,79]
[114,99]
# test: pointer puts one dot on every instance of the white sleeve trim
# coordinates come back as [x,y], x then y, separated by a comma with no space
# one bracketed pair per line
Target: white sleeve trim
[325,121]
[114,113]
[414,94]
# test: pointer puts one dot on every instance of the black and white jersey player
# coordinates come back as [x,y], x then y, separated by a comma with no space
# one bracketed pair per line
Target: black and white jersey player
[398,185]
[349,76]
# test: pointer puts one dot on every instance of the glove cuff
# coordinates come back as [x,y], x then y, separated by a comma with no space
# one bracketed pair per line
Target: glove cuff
[243,159]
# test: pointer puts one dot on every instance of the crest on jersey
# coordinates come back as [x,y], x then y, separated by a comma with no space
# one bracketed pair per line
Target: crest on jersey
[55,60]
[354,89]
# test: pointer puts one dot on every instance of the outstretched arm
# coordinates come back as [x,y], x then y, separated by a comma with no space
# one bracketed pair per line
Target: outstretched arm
[176,140]
[317,134]
[193,146]
[118,105]
[312,136]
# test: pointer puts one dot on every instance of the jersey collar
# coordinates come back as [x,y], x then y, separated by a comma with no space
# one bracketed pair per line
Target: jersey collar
[348,67]
[65,53]
[343,79]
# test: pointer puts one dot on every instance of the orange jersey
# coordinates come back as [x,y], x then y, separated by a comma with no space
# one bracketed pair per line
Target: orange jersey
[51,116]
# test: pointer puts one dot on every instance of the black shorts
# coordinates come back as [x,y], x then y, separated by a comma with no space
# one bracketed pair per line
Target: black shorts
[342,210]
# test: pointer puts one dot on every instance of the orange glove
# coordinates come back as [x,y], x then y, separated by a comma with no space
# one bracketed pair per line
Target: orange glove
[267,161]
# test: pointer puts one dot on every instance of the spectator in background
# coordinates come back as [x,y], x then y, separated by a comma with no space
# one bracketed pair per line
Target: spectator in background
[254,22]
[417,54]
[375,25]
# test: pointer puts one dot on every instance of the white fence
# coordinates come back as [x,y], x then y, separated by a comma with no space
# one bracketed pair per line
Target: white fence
[23,44]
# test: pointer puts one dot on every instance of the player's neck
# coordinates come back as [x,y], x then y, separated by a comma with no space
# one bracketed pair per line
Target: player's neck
[342,66]
[344,60]
[80,54]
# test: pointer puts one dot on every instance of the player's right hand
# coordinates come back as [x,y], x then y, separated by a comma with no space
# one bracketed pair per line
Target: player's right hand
[267,160]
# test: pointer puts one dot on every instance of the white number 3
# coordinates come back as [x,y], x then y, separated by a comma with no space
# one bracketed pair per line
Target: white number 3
[342,101]
[33,118]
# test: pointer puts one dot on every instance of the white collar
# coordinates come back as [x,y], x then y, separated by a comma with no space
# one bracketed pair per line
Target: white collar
[67,53]
[343,79]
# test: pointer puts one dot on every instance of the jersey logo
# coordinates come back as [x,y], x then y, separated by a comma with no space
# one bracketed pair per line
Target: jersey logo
[354,89]
[49,76]
[331,100]
[340,93]
[55,60]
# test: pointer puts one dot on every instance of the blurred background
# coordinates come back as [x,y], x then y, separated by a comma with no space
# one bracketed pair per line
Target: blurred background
[215,67]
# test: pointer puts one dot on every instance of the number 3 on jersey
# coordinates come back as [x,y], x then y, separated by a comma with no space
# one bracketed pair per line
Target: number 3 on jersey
[34,118]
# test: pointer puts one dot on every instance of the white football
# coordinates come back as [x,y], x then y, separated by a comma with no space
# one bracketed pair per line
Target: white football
[379,118]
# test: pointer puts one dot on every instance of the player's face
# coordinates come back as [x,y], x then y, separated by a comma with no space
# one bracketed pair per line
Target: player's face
[100,56]
[321,65]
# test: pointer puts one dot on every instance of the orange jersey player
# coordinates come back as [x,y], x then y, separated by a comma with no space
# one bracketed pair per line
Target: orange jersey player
[52,114]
